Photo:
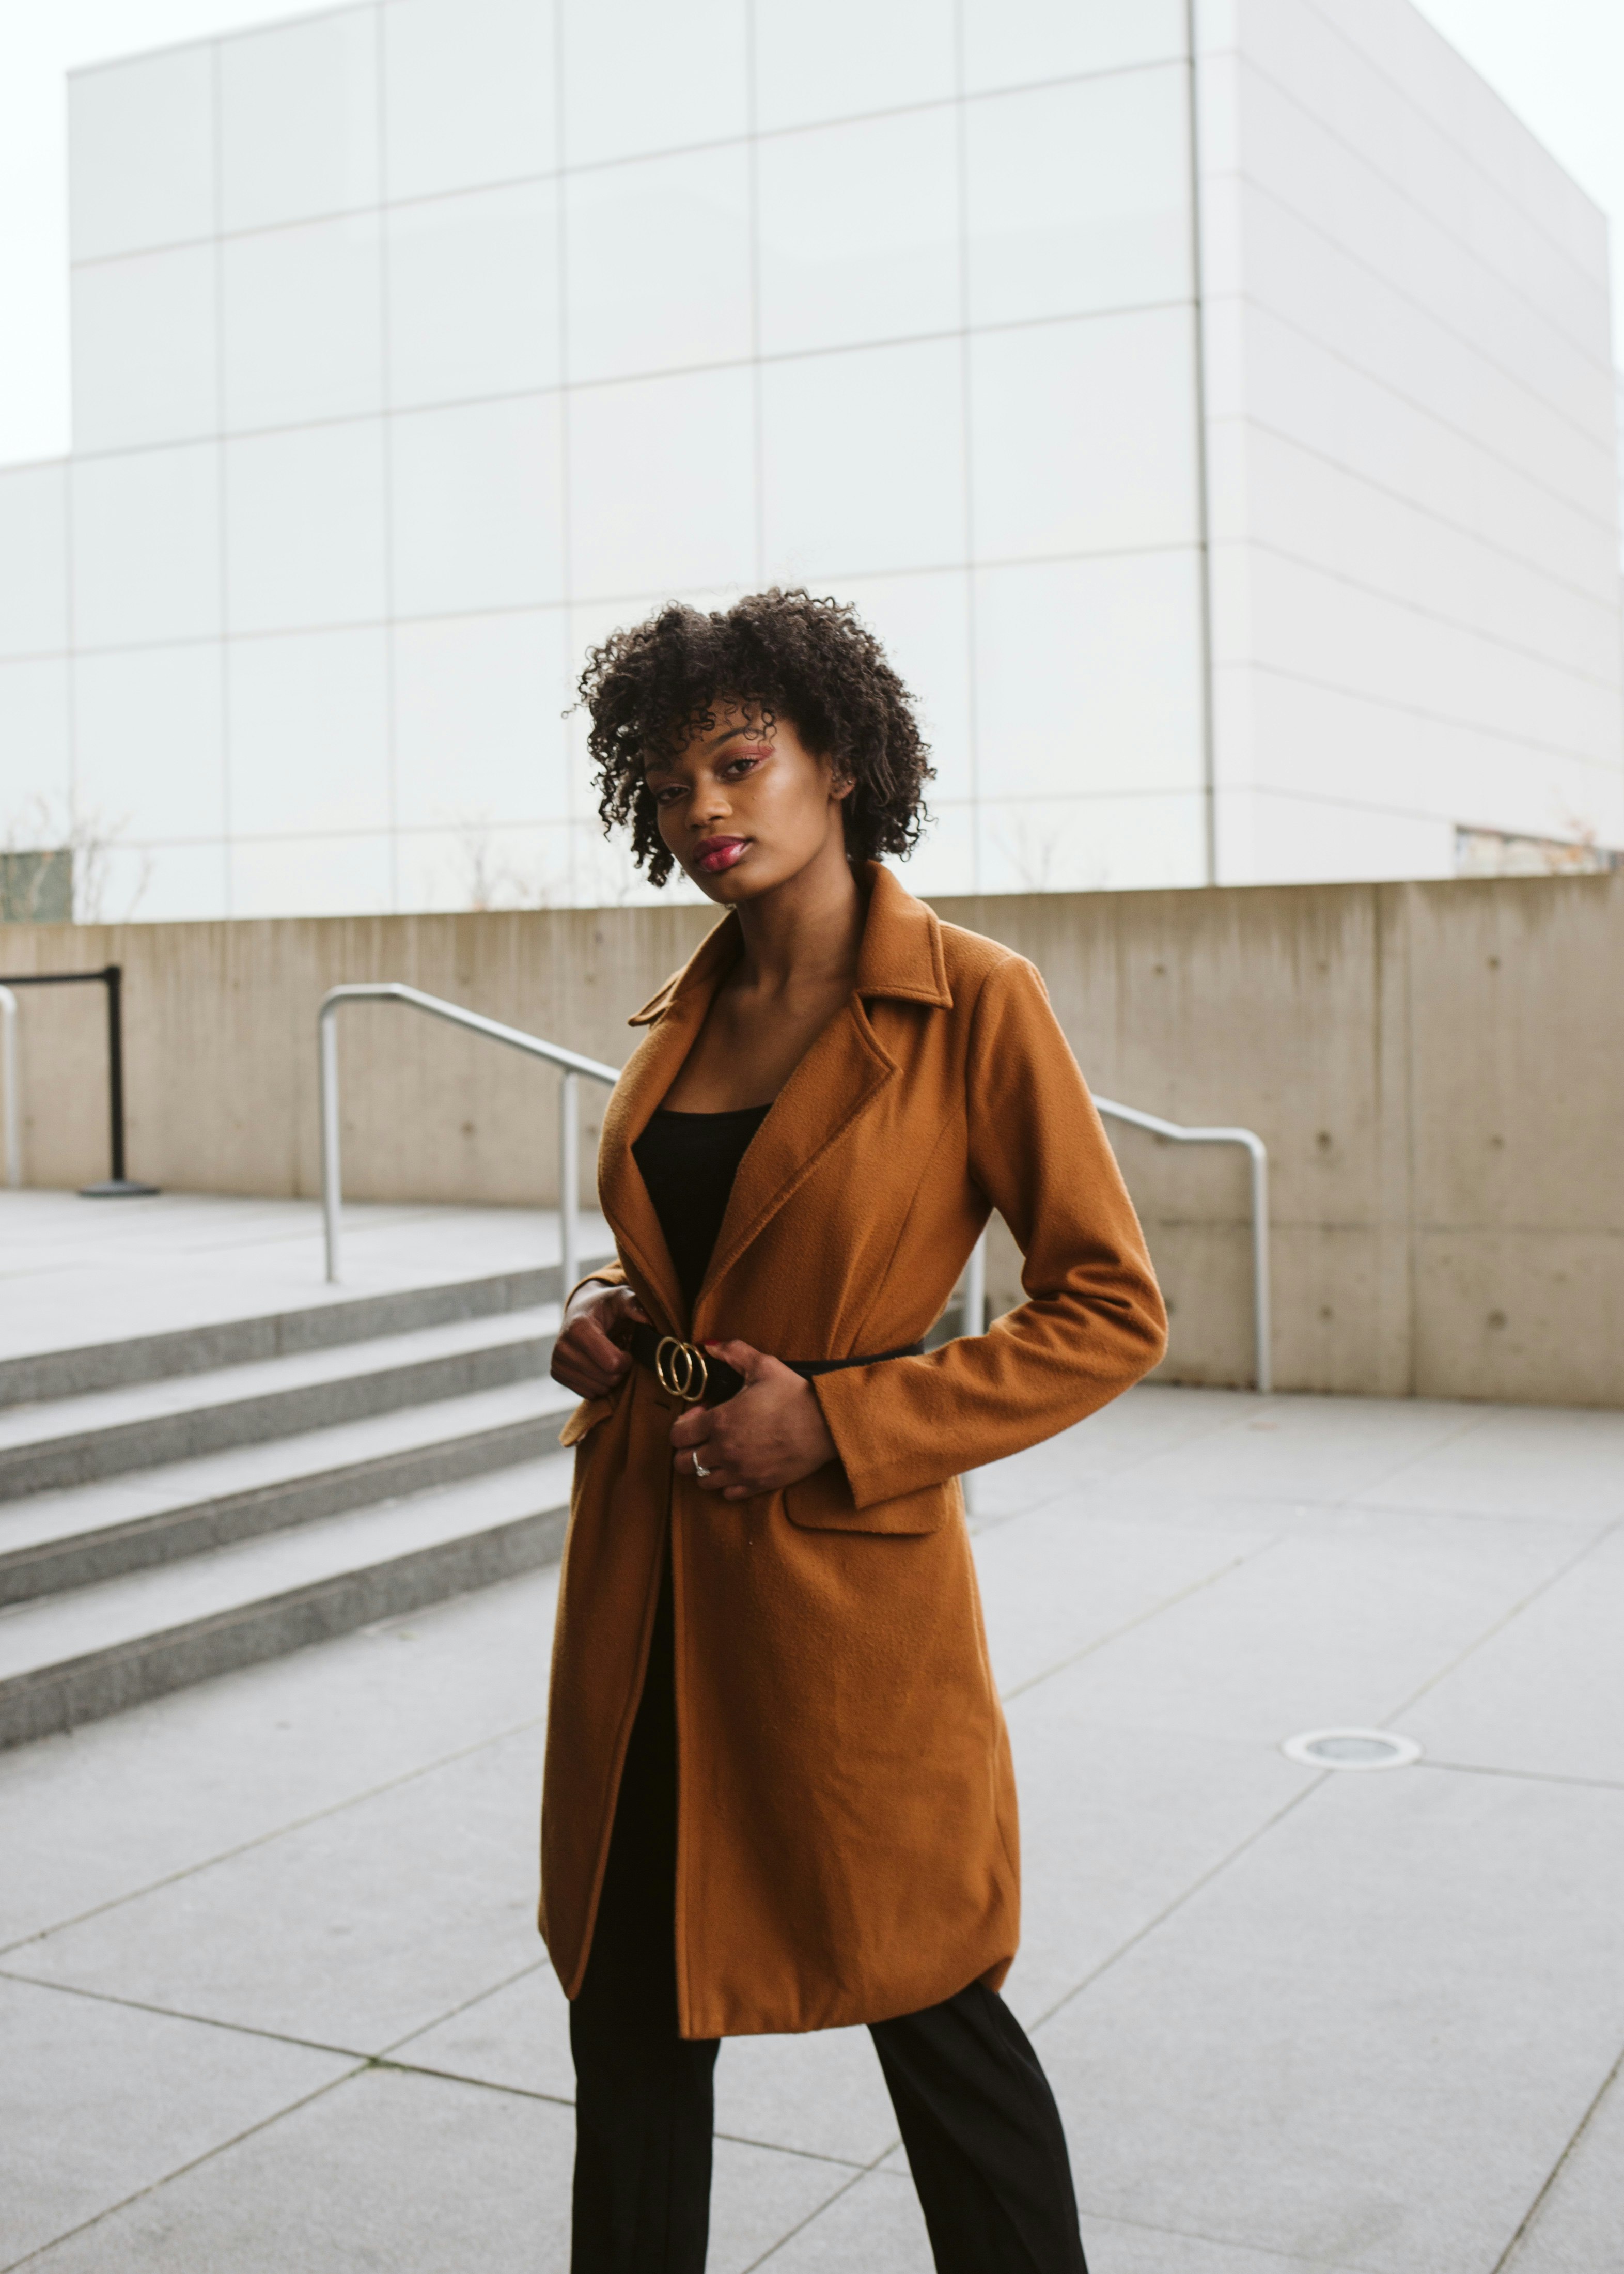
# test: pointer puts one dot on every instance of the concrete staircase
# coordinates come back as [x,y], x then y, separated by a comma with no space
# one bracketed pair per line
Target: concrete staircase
[174,1505]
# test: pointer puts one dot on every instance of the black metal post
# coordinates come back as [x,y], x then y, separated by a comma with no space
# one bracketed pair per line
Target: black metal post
[117,1186]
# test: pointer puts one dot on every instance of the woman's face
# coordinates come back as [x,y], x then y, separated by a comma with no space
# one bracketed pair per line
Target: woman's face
[745,806]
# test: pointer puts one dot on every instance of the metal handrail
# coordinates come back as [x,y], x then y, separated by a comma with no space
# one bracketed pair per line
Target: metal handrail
[974,1285]
[1261,1330]
[570,1063]
[8,1073]
[117,1187]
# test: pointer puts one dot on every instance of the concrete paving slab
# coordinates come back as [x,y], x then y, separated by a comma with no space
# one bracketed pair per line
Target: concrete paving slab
[1147,1421]
[1528,1460]
[99,2101]
[516,2035]
[820,2095]
[1117,1824]
[354,1931]
[1115,2248]
[1545,1695]
[1059,1581]
[122,1805]
[1577,2227]
[757,2197]
[1324,1449]
[1317,1630]
[874,2223]
[1370,2038]
[486,2175]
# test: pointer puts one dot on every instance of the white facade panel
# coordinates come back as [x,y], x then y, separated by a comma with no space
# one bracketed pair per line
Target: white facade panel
[658,256]
[480,741]
[640,76]
[305,524]
[533,316]
[141,141]
[470,94]
[313,875]
[303,323]
[145,356]
[1078,197]
[298,120]
[1118,703]
[662,485]
[146,547]
[148,755]
[476,507]
[36,754]
[858,232]
[848,57]
[473,295]
[33,559]
[1083,436]
[1414,577]
[1017,43]
[310,733]
[1147,842]
[862,462]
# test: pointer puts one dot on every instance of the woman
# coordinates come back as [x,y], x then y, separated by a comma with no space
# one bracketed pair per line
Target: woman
[779,1788]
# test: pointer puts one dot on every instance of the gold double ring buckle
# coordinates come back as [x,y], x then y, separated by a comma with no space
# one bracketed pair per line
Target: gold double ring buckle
[681,1369]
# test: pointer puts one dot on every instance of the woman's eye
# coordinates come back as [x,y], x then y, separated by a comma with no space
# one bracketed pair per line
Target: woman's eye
[737,768]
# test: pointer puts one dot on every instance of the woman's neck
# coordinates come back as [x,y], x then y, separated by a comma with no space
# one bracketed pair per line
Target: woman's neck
[805,933]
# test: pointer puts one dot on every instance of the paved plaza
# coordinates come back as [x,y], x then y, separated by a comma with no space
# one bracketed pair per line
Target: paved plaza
[274,2003]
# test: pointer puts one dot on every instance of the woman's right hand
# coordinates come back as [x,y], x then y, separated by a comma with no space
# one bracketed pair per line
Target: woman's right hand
[587,1357]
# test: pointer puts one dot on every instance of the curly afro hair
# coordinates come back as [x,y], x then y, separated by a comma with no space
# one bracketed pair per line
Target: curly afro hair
[648,690]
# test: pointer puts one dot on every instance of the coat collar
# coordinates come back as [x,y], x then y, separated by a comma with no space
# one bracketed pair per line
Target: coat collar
[900,955]
[846,1068]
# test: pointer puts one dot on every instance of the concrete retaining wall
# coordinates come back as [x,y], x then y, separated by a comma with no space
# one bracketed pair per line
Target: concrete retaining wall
[1438,1070]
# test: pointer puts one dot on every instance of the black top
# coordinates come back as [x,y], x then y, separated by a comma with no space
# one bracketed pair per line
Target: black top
[689,1162]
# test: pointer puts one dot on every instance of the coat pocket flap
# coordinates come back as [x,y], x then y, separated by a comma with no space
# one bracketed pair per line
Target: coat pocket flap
[823,1502]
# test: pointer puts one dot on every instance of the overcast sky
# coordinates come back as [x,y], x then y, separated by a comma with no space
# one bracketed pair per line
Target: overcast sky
[1558,63]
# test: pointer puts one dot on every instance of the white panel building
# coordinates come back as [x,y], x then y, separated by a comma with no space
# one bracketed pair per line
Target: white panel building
[1233,480]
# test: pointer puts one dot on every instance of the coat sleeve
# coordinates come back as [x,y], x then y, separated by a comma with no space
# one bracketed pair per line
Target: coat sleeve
[1093,1322]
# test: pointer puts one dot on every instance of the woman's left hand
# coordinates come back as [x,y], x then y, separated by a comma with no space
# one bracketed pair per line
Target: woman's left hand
[772,1434]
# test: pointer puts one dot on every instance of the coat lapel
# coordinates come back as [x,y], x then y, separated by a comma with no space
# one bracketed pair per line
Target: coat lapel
[673,1018]
[838,1081]
[842,1074]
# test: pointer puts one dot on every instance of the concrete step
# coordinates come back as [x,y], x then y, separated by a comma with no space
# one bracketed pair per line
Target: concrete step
[324,1324]
[53,1541]
[73,1440]
[76,1657]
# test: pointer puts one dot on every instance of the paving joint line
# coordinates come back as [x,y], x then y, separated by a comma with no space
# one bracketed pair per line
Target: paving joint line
[1224,2242]
[1203,1880]
[279,1832]
[1141,1618]
[1532,2214]
[865,2170]
[181,2171]
[1497,1626]
[1528,1776]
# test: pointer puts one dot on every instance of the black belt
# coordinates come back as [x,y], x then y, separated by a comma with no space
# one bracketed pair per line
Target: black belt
[685,1371]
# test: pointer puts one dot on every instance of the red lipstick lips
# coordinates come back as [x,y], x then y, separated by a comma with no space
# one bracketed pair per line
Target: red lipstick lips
[715,853]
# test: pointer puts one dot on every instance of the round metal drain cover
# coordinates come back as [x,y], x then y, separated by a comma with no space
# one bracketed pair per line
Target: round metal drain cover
[1351,1749]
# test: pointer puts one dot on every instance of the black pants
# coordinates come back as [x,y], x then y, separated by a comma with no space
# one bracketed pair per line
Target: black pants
[983,2134]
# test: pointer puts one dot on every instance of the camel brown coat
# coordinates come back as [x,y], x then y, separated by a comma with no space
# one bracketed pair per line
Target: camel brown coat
[847,1842]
